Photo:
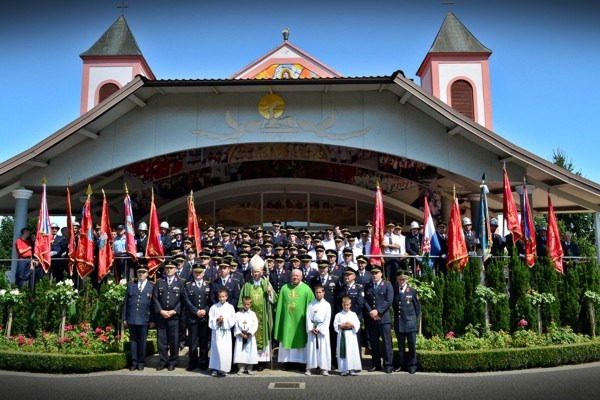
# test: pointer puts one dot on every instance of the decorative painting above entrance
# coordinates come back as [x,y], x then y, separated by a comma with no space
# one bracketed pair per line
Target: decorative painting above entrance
[286,71]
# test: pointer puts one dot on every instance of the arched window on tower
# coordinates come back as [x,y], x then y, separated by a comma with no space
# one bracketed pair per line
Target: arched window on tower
[461,98]
[106,91]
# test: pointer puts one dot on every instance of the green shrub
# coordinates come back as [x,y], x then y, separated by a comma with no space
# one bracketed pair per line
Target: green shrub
[61,363]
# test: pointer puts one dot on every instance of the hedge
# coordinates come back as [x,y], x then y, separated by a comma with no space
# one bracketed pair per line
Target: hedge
[56,363]
[61,363]
[508,359]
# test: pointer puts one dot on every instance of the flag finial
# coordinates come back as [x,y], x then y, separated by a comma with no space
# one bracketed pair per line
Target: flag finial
[126,190]
[44,180]
[103,194]
[89,190]
[69,181]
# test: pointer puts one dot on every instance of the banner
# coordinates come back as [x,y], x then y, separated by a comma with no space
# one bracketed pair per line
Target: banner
[509,209]
[528,229]
[84,256]
[43,236]
[457,247]
[71,244]
[105,242]
[484,232]
[130,246]
[193,228]
[555,250]
[378,229]
[430,242]
[154,249]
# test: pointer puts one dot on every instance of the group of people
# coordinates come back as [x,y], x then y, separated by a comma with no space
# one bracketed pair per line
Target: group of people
[316,297]
[243,299]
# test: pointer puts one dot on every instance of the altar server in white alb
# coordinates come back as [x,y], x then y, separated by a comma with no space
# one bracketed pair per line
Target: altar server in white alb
[246,324]
[346,324]
[221,318]
[318,318]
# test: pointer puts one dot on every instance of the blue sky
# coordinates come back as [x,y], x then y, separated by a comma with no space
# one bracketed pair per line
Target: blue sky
[544,66]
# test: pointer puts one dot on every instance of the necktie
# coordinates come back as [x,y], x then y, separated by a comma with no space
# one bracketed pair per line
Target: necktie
[140,286]
[169,281]
[322,281]
[224,281]
[364,248]
[390,239]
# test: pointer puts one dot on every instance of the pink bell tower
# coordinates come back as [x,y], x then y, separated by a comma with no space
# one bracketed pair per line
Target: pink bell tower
[456,71]
[112,62]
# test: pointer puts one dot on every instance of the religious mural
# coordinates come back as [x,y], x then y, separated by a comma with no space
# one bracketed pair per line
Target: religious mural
[285,71]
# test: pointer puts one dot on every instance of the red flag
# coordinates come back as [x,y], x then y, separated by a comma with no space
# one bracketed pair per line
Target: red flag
[71,248]
[154,249]
[378,229]
[193,228]
[43,235]
[457,247]
[555,249]
[528,229]
[509,209]
[129,230]
[105,242]
[84,256]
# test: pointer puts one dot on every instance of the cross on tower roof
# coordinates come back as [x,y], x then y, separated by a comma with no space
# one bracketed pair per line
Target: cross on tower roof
[448,3]
[123,6]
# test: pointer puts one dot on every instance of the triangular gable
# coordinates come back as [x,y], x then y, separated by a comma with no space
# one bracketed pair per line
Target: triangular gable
[286,62]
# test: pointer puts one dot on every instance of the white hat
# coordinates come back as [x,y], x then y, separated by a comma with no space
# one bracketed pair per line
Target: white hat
[494,221]
[142,226]
[164,224]
[414,225]
[466,221]
[177,232]
[256,262]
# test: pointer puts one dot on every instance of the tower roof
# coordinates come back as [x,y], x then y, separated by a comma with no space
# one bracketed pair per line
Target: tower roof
[453,37]
[116,41]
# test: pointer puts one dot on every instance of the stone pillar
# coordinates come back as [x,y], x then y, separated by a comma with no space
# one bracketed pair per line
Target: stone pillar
[474,200]
[530,189]
[22,197]
[446,209]
[597,235]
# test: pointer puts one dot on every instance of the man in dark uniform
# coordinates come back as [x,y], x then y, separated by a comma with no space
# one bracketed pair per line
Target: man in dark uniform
[244,266]
[413,246]
[471,239]
[279,276]
[196,298]
[332,260]
[58,250]
[184,273]
[363,276]
[498,242]
[167,305]
[407,311]
[225,281]
[308,273]
[137,316]
[440,261]
[541,241]
[378,301]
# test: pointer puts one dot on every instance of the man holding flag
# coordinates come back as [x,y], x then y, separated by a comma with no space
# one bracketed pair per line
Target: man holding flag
[430,244]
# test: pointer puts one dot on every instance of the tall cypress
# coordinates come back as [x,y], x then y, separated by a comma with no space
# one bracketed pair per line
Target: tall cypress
[474,310]
[495,279]
[520,307]
[570,293]
[454,303]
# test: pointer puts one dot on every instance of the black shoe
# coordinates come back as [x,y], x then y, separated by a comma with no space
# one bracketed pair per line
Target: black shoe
[203,367]
[399,369]
[132,368]
[373,369]
[388,370]
[140,367]
[412,371]
[171,368]
[160,367]
[260,368]
[190,368]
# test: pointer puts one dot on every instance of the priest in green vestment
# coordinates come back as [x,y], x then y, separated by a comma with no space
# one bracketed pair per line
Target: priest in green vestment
[263,296]
[290,319]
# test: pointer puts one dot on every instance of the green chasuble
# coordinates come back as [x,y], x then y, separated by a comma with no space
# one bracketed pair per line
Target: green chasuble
[262,308]
[290,319]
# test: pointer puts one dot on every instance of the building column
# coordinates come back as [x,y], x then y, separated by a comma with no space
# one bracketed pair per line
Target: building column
[530,189]
[22,197]
[474,199]
[446,209]
[597,235]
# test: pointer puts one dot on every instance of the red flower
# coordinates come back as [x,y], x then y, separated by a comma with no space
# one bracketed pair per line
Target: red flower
[117,337]
[449,335]
[68,328]
[82,334]
[98,331]
[21,339]
[103,338]
[30,341]
[108,328]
